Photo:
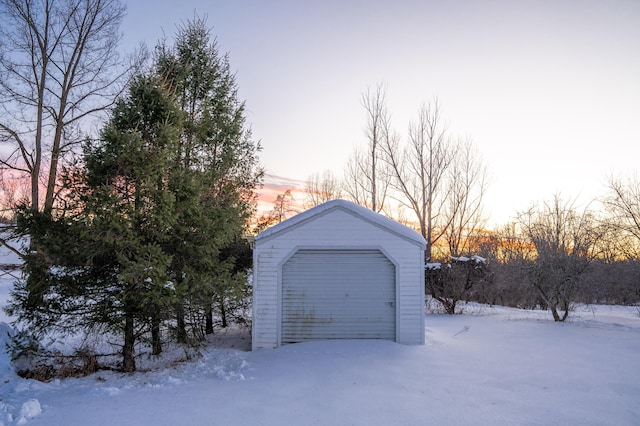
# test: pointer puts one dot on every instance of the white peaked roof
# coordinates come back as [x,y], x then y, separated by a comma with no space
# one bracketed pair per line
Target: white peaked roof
[349,207]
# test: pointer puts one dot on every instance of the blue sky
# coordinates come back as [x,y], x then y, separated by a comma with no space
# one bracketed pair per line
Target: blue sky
[549,91]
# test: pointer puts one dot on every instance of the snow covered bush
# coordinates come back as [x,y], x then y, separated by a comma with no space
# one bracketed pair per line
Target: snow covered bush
[455,281]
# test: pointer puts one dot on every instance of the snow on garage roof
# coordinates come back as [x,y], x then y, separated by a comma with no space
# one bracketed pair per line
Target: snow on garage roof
[355,209]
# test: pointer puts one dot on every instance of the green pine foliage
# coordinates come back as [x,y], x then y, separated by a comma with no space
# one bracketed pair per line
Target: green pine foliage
[214,176]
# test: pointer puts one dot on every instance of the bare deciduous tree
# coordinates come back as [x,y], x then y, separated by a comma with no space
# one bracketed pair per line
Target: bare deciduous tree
[419,169]
[623,206]
[443,183]
[565,241]
[365,181]
[467,182]
[283,207]
[58,65]
[509,253]
[321,188]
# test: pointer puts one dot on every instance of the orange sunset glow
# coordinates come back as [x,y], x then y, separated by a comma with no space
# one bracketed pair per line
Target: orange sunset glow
[277,185]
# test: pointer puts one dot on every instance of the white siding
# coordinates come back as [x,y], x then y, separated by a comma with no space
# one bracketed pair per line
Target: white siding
[337,226]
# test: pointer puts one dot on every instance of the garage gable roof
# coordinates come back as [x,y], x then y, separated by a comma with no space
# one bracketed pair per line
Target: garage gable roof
[352,208]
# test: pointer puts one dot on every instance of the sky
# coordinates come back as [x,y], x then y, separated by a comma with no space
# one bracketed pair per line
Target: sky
[548,91]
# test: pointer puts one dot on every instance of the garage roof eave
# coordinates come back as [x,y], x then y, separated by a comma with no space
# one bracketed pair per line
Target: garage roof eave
[355,209]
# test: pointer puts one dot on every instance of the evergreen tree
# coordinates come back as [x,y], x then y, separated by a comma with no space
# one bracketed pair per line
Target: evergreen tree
[214,175]
[104,264]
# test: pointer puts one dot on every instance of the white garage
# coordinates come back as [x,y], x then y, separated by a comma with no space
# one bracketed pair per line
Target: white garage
[338,271]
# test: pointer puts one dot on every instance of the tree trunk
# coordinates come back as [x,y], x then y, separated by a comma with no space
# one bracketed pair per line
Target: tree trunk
[181,328]
[208,326]
[37,161]
[552,304]
[554,312]
[565,308]
[451,306]
[53,166]
[128,350]
[223,314]
[429,233]
[156,341]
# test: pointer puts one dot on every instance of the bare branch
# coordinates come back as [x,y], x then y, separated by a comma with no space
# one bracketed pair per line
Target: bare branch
[623,206]
[59,66]
[365,181]
[322,188]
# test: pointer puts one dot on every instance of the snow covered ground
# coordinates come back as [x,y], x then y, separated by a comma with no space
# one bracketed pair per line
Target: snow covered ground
[491,366]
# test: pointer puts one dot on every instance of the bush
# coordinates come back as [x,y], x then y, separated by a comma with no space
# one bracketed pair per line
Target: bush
[461,279]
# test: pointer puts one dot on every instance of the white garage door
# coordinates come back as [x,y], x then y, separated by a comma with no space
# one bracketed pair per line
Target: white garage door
[338,294]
